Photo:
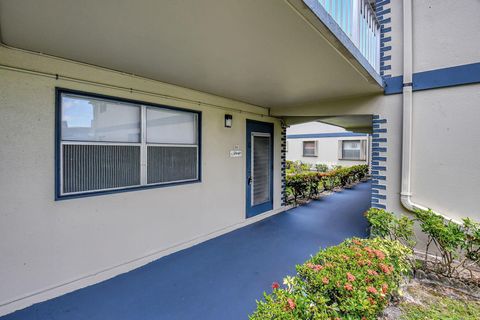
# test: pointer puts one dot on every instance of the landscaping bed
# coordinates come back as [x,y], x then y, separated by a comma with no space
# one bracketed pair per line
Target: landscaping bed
[422,299]
[383,277]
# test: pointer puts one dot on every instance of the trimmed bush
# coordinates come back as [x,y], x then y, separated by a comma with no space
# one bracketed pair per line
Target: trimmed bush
[308,184]
[457,244]
[353,280]
[387,225]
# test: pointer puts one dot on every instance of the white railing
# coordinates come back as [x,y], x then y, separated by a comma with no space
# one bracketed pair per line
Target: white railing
[357,19]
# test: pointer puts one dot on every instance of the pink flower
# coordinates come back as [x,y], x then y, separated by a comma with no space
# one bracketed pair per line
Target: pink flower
[357,242]
[372,272]
[325,280]
[384,288]
[350,277]
[372,290]
[385,268]
[380,255]
[291,304]
[348,287]
[314,267]
[275,285]
[317,267]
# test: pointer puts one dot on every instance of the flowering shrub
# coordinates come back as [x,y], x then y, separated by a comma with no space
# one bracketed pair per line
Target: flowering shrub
[353,280]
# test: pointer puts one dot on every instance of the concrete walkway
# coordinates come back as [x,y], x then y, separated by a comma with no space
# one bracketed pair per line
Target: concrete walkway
[220,278]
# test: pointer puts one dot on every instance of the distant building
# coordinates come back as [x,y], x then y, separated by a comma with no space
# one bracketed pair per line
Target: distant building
[316,142]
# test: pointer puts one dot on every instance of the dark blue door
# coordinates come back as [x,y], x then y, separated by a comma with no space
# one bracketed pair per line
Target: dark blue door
[259,157]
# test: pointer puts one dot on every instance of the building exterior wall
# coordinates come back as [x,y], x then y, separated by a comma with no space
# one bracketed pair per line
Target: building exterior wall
[445,175]
[327,145]
[51,247]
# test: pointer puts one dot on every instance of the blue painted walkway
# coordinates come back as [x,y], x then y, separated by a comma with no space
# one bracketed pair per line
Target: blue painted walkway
[220,278]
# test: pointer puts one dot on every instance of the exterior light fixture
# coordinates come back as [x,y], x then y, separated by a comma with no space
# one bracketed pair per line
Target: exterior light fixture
[228,120]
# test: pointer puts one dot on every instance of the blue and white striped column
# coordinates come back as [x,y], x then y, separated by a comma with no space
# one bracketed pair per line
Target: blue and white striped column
[283,155]
[379,162]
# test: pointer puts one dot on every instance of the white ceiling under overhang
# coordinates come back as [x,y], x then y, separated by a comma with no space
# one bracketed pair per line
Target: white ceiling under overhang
[258,51]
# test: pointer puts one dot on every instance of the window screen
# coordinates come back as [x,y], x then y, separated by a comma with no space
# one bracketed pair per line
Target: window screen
[103,143]
[309,148]
[351,149]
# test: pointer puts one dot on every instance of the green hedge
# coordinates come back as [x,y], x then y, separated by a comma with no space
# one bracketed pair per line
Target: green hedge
[456,245]
[310,184]
[353,280]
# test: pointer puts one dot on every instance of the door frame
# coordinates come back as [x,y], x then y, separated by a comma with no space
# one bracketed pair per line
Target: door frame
[261,128]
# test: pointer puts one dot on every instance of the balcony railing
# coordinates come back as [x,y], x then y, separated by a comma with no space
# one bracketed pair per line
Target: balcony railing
[357,19]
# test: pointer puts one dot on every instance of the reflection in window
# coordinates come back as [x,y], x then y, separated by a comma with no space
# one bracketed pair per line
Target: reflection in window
[90,119]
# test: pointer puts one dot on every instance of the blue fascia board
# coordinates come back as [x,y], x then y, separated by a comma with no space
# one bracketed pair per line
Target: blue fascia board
[439,78]
[333,26]
[325,135]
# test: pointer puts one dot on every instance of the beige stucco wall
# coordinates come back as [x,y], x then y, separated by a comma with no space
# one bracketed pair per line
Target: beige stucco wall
[445,34]
[73,243]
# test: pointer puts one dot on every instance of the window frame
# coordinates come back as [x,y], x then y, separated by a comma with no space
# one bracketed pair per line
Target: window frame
[362,149]
[315,154]
[59,91]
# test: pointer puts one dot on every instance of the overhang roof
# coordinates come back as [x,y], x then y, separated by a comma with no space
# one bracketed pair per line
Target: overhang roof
[262,52]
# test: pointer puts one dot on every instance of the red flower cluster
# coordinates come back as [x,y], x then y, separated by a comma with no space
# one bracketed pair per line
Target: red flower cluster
[350,277]
[372,272]
[291,304]
[372,290]
[275,285]
[387,269]
[357,242]
[314,267]
[380,255]
[384,288]
[362,263]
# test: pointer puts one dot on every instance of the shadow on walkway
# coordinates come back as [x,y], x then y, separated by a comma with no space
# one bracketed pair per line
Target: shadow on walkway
[220,278]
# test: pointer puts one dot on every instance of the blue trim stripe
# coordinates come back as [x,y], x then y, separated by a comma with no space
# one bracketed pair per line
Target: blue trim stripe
[439,78]
[379,196]
[326,135]
[379,186]
[380,206]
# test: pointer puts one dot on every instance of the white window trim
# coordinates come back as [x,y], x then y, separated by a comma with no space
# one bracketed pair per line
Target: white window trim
[363,148]
[315,154]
